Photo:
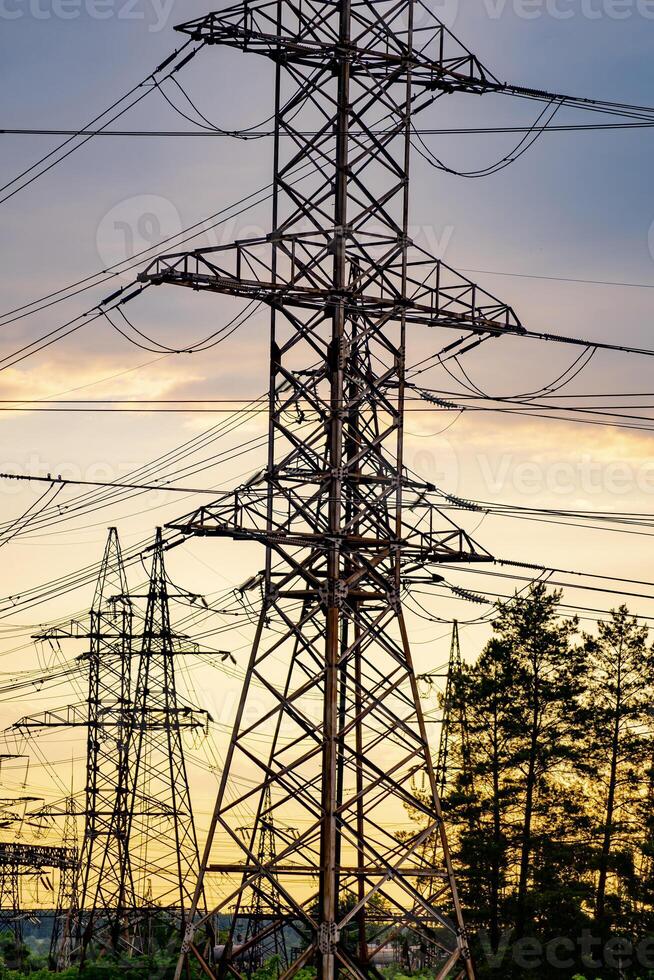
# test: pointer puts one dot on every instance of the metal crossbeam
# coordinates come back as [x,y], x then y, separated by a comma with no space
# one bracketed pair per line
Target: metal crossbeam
[36,857]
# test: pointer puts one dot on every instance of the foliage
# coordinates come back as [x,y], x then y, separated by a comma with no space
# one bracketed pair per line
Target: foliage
[270,970]
[550,786]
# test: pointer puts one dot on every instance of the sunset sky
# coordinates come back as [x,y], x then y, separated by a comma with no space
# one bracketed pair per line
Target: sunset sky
[577,206]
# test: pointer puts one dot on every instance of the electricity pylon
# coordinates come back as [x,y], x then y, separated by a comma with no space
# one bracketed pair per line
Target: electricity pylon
[19,861]
[67,907]
[104,897]
[123,805]
[106,888]
[164,826]
[454,733]
[261,938]
[454,721]
[11,919]
[341,522]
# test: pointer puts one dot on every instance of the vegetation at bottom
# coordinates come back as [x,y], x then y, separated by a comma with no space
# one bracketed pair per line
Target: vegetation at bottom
[549,798]
[160,966]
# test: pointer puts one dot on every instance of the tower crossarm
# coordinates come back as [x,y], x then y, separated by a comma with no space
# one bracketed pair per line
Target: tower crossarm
[428,292]
[74,630]
[436,59]
[76,716]
[71,716]
[428,535]
[34,856]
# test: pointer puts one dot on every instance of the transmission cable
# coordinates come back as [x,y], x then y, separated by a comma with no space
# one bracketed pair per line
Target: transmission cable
[528,140]
[88,283]
[76,145]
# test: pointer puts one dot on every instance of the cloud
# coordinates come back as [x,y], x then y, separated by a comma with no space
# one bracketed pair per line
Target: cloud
[58,378]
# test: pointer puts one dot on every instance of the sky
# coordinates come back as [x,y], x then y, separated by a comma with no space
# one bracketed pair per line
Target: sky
[577,206]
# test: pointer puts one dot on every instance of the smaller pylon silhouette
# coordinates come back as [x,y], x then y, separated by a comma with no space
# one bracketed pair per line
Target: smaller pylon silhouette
[11,919]
[454,735]
[107,898]
[67,908]
[454,717]
[263,936]
[31,861]
[161,826]
[104,899]
[138,822]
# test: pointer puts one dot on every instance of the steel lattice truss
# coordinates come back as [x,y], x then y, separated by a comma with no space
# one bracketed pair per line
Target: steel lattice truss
[137,818]
[257,933]
[106,893]
[168,849]
[102,896]
[342,725]
[29,860]
[67,908]
[453,715]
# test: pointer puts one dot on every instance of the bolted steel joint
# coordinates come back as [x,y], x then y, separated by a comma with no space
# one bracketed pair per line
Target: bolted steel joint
[394,600]
[463,943]
[333,597]
[189,933]
[328,936]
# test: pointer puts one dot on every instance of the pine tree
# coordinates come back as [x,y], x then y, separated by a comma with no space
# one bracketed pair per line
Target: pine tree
[549,682]
[482,804]
[522,863]
[619,696]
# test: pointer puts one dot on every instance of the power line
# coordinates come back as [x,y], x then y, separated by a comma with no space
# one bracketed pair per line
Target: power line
[573,279]
[147,84]
[259,134]
[58,480]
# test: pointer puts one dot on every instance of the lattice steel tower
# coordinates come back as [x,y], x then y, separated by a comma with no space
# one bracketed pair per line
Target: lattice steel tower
[261,939]
[137,814]
[106,888]
[160,826]
[102,896]
[454,721]
[340,521]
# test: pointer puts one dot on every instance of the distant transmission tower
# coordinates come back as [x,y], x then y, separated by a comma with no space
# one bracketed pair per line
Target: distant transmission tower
[161,818]
[261,939]
[454,732]
[103,896]
[137,817]
[342,524]
[18,861]
[67,907]
[454,720]
[11,917]
[107,901]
